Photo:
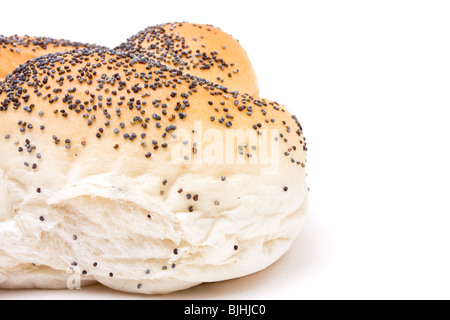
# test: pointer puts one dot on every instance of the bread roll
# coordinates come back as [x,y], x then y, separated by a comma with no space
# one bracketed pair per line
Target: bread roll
[200,50]
[15,50]
[119,170]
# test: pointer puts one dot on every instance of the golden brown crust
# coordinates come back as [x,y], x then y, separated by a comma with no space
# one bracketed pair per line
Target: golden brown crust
[127,107]
[201,50]
[15,50]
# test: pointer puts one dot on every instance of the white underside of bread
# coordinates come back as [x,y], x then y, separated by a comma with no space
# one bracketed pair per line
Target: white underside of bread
[108,213]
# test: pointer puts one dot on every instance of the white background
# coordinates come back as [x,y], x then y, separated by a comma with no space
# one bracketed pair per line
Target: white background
[370,83]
